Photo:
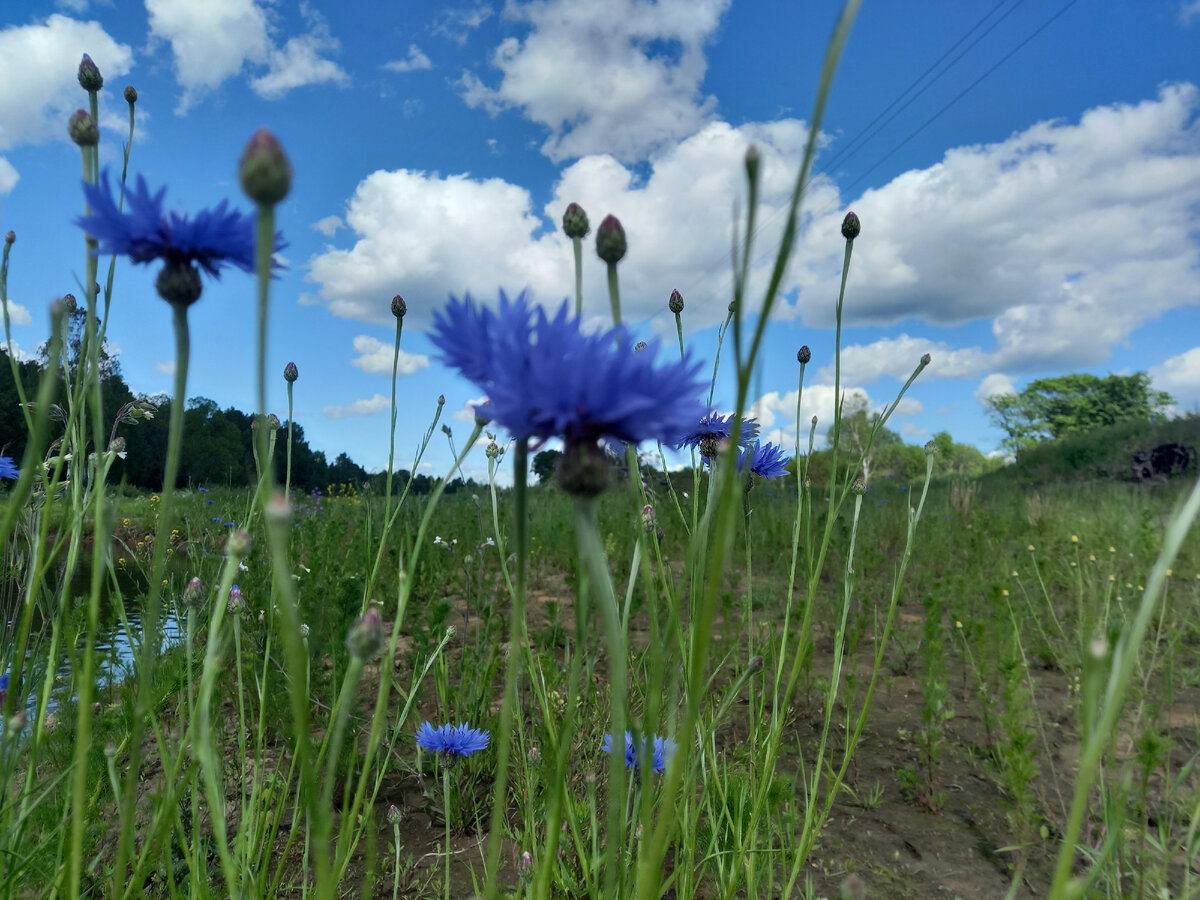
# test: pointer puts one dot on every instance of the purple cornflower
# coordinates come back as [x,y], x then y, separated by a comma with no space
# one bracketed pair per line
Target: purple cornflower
[144,232]
[663,748]
[546,379]
[711,430]
[451,740]
[8,468]
[765,460]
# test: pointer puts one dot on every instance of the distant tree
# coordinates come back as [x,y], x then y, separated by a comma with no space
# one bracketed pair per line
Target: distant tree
[1051,408]
[544,464]
[856,428]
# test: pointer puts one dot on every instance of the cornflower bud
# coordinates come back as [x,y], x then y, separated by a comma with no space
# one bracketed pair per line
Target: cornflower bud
[10,237]
[755,664]
[290,373]
[264,170]
[399,307]
[859,487]
[193,594]
[930,448]
[575,221]
[803,355]
[851,226]
[675,304]
[926,359]
[236,603]
[131,94]
[70,303]
[753,158]
[238,545]
[610,240]
[393,814]
[483,414]
[82,129]
[89,76]
[179,283]
[304,632]
[366,638]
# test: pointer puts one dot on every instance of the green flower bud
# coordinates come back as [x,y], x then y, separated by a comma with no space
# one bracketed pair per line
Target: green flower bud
[89,76]
[575,221]
[851,226]
[264,170]
[610,240]
[803,355]
[366,638]
[675,304]
[399,307]
[179,283]
[82,129]
[131,94]
[290,373]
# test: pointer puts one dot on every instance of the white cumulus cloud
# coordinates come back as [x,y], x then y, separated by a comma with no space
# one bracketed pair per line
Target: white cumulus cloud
[1179,376]
[8,176]
[995,384]
[414,62]
[376,356]
[39,90]
[620,77]
[17,314]
[357,408]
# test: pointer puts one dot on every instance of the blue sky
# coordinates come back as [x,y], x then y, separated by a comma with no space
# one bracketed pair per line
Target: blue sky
[1027,175]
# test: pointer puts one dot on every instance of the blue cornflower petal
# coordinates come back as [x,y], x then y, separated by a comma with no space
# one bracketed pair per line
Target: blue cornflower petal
[212,239]
[546,379]
[765,460]
[8,468]
[712,427]
[451,740]
[663,749]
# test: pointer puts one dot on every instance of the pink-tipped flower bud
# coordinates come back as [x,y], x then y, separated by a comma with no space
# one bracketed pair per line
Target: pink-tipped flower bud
[264,170]
[675,304]
[610,240]
[89,76]
[70,303]
[393,814]
[82,129]
[236,604]
[803,355]
[193,594]
[131,94]
[575,221]
[399,307]
[926,359]
[273,421]
[754,664]
[366,638]
[238,545]
[10,237]
[290,373]
[859,486]
[851,226]
[441,400]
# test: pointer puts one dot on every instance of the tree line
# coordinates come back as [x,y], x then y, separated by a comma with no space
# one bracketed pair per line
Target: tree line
[218,443]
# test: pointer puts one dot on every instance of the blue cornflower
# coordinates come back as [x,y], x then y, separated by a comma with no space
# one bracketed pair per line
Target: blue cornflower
[663,748]
[144,232]
[451,740]
[546,379]
[8,468]
[707,434]
[765,460]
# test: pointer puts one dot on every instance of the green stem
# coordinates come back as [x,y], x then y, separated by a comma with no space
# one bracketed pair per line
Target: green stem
[512,672]
[287,484]
[263,250]
[387,508]
[614,293]
[577,245]
[446,813]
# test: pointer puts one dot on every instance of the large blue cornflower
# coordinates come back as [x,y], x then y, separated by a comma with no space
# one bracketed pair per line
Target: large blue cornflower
[144,232]
[8,468]
[764,460]
[662,750]
[451,740]
[711,430]
[547,379]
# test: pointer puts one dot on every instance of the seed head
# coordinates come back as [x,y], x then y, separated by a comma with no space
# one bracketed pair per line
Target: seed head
[399,307]
[575,221]
[676,302]
[366,638]
[130,94]
[290,373]
[82,129]
[264,170]
[851,226]
[90,78]
[803,355]
[610,240]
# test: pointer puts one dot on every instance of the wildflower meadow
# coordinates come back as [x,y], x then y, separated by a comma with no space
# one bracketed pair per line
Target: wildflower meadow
[763,673]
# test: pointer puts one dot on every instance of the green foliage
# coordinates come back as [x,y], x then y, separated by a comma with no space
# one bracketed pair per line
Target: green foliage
[544,464]
[1052,408]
